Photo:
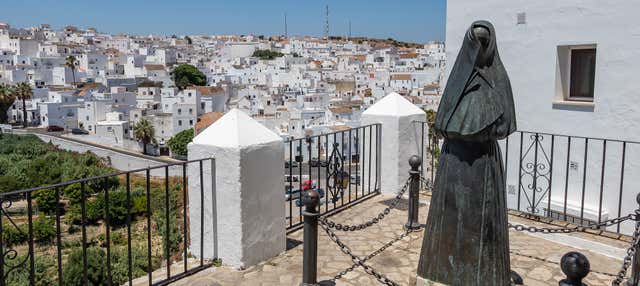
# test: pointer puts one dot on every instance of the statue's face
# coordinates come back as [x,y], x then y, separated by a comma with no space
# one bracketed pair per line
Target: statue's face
[483,35]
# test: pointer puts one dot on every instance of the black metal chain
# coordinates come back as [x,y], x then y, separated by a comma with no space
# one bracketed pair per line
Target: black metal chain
[631,252]
[427,183]
[373,254]
[554,262]
[374,220]
[597,226]
[356,260]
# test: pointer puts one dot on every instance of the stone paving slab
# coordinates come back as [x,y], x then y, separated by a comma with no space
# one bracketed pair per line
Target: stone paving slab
[536,259]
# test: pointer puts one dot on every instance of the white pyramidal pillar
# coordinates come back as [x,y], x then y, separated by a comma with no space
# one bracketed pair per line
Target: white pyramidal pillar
[244,221]
[400,138]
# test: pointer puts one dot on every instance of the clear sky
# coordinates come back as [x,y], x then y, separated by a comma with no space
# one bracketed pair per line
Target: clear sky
[406,20]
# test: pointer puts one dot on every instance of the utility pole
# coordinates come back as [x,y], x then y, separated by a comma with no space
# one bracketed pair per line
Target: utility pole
[286,32]
[326,24]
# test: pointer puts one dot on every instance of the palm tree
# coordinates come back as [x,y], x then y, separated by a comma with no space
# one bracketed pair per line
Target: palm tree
[7,98]
[144,132]
[23,92]
[71,63]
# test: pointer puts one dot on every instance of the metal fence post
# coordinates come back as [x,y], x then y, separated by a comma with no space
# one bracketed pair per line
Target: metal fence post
[311,200]
[635,268]
[576,267]
[414,189]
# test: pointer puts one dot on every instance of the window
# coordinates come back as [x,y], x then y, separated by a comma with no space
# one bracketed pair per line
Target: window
[179,122]
[575,75]
[191,122]
[583,71]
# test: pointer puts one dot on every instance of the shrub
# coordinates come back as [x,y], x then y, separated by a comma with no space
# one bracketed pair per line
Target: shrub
[178,143]
[46,200]
[45,273]
[119,269]
[12,235]
[96,267]
[44,230]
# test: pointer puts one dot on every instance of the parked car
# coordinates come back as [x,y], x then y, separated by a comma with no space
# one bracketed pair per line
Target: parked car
[54,128]
[78,131]
[315,162]
[292,164]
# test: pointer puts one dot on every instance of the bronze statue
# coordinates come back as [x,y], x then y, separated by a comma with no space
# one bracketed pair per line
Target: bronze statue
[466,240]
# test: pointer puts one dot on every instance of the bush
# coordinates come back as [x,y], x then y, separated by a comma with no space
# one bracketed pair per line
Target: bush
[14,236]
[44,230]
[96,267]
[46,200]
[45,271]
[178,143]
[119,269]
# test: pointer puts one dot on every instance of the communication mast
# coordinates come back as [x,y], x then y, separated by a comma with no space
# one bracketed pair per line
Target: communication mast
[326,23]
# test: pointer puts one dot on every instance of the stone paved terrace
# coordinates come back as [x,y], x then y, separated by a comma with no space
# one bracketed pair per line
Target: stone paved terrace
[399,262]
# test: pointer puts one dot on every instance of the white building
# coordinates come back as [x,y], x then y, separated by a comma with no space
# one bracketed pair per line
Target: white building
[571,65]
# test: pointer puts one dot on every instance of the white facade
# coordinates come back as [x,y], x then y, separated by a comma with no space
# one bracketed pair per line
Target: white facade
[534,40]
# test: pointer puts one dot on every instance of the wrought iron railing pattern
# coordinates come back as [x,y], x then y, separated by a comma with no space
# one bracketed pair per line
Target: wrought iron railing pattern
[151,200]
[582,180]
[343,165]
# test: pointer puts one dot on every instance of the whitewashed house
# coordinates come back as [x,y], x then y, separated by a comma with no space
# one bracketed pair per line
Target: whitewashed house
[571,65]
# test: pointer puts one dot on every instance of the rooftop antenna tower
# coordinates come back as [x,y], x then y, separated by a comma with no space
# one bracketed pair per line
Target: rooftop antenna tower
[349,37]
[286,32]
[326,23]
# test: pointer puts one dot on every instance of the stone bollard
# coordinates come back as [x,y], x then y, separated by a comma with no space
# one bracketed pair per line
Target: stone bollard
[576,267]
[634,280]
[311,199]
[414,189]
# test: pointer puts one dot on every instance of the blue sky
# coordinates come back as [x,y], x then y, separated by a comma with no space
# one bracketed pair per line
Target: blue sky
[407,20]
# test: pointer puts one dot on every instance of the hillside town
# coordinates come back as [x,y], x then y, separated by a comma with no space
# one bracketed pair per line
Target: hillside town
[98,86]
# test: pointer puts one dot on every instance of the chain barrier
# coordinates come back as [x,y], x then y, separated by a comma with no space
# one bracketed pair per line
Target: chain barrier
[555,262]
[374,220]
[426,183]
[373,254]
[355,259]
[597,226]
[631,252]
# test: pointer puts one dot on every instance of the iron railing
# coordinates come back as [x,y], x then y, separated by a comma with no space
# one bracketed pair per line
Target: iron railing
[130,224]
[344,165]
[582,180]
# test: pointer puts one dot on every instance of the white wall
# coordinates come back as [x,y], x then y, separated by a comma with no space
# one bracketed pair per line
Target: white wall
[530,54]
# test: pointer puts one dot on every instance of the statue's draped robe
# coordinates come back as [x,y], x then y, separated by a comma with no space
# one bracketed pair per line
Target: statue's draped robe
[466,239]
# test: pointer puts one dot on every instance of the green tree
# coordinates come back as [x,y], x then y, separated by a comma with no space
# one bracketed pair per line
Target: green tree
[23,92]
[7,98]
[96,267]
[266,54]
[145,133]
[187,75]
[71,62]
[178,143]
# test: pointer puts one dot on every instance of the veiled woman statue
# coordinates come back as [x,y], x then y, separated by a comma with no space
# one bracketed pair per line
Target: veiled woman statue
[466,240]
